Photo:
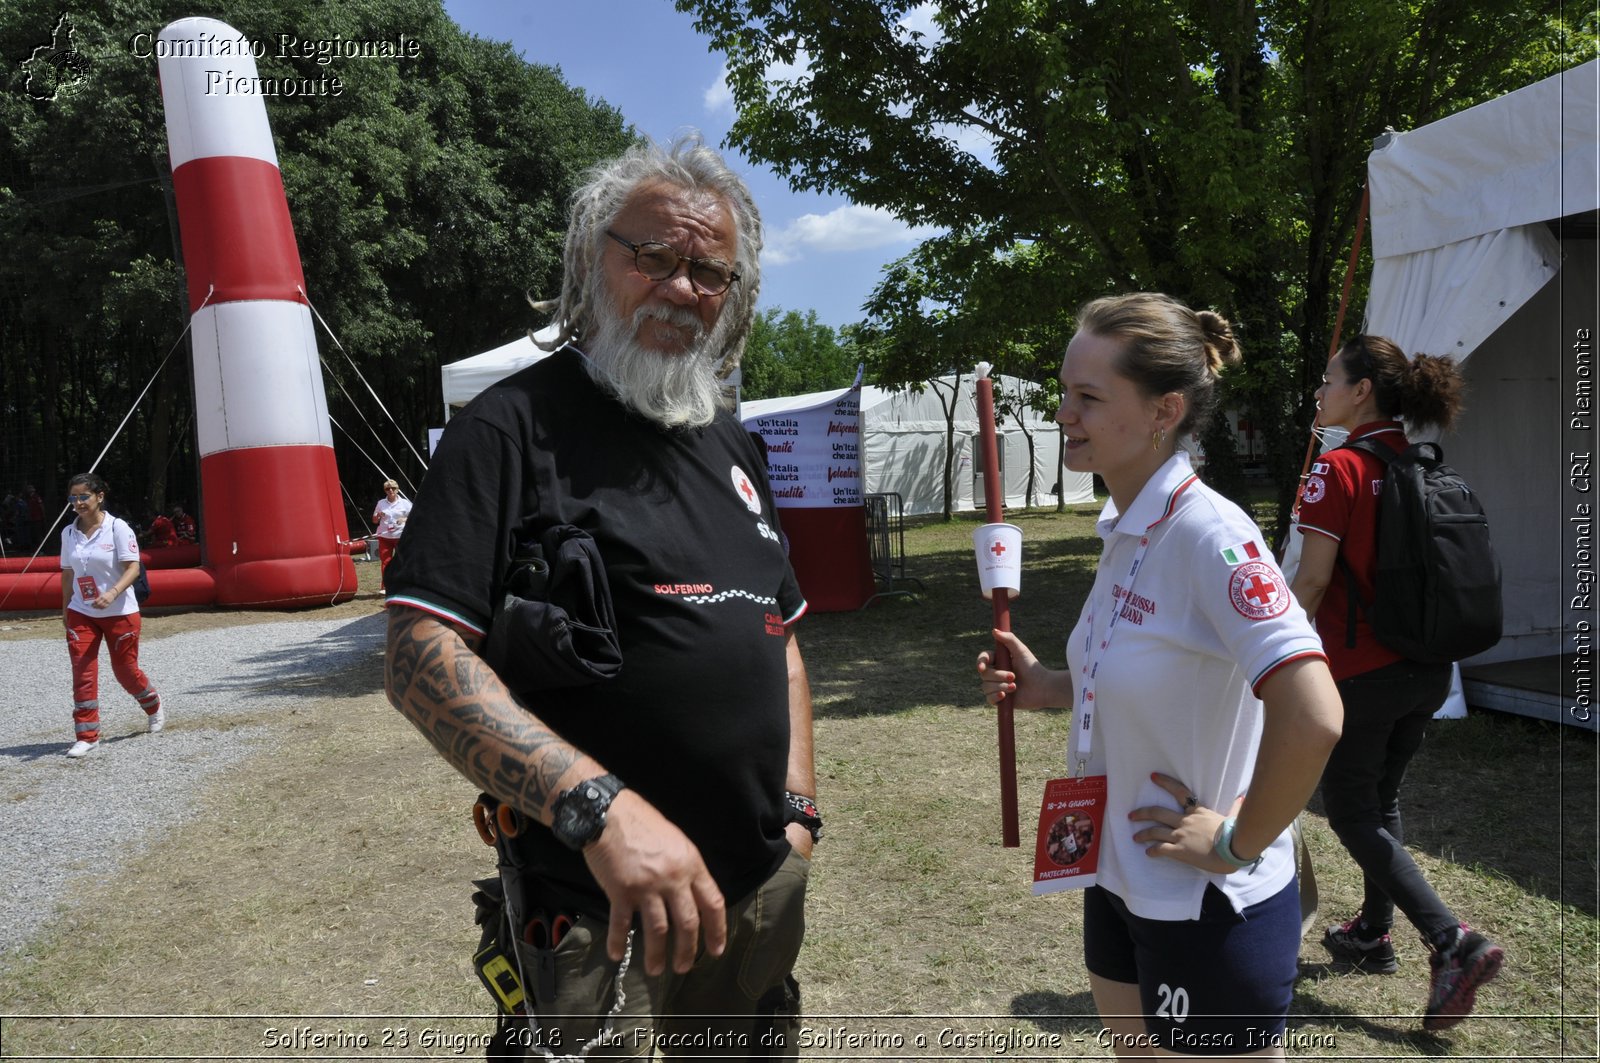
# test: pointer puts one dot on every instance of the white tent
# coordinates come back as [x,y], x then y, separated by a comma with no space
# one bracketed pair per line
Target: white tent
[902,434]
[464,379]
[1465,263]
[903,441]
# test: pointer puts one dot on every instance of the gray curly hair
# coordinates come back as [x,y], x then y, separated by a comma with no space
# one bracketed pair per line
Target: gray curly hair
[688,164]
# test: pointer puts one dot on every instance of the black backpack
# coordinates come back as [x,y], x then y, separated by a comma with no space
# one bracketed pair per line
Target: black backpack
[1436,597]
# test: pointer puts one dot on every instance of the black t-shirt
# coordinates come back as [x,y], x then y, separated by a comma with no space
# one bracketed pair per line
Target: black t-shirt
[697,720]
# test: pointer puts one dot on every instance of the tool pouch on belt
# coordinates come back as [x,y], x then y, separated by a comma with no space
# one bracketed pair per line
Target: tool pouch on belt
[553,625]
[780,1006]
[495,960]
[496,964]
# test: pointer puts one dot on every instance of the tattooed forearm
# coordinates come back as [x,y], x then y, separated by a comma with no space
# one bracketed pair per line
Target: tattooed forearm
[444,688]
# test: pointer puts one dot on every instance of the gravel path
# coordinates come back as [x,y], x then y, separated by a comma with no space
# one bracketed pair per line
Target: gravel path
[64,821]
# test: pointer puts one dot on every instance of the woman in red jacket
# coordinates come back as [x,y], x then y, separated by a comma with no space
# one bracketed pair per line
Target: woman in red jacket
[1369,385]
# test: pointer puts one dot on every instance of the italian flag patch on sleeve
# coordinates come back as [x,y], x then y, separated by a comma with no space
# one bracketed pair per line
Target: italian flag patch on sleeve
[1238,555]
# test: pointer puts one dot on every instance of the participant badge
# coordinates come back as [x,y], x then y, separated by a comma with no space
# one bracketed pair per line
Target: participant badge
[1071,821]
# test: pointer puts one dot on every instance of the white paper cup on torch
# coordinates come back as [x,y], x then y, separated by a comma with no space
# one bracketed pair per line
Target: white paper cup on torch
[999,551]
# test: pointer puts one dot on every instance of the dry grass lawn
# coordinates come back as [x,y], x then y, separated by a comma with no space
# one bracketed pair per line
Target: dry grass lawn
[326,894]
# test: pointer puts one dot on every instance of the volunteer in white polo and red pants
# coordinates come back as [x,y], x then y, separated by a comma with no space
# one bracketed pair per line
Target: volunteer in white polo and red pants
[390,516]
[1201,693]
[99,563]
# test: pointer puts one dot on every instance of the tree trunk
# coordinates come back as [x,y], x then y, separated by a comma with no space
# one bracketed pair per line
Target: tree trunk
[949,443]
[1061,468]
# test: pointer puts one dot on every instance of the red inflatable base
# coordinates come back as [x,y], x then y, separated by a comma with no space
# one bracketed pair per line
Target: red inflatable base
[184,555]
[41,591]
[275,531]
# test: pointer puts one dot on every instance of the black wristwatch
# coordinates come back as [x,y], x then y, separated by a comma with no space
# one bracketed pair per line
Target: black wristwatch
[801,809]
[579,814]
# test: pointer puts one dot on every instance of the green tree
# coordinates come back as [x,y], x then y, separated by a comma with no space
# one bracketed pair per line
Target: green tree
[789,353]
[1212,151]
[428,198]
[949,305]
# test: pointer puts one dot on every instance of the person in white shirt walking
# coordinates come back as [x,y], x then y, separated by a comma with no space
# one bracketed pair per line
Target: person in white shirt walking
[99,564]
[390,517]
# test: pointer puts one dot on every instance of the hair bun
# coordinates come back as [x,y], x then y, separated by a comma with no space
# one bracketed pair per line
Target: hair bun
[1222,349]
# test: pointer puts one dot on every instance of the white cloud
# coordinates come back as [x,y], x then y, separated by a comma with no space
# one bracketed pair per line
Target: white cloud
[847,228]
[719,97]
[920,20]
[799,70]
[973,140]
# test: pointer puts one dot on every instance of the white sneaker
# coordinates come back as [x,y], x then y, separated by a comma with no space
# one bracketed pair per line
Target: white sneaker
[158,720]
[81,748]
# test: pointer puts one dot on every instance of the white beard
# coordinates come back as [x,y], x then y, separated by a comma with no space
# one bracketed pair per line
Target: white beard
[672,390]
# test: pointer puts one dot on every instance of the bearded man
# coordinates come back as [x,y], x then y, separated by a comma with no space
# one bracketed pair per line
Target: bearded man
[658,774]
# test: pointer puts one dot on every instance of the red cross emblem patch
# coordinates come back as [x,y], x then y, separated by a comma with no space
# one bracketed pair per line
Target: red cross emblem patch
[745,490]
[1257,591]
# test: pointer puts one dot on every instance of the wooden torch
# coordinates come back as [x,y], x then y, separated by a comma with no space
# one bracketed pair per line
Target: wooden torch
[1000,598]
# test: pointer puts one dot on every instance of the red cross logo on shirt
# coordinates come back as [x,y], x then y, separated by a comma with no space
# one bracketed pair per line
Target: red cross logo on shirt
[745,489]
[1260,591]
[1257,591]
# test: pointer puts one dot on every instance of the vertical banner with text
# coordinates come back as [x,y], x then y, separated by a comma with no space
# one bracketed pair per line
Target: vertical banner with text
[1579,500]
[814,463]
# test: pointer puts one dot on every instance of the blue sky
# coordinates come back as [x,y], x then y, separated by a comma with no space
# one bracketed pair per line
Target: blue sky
[823,253]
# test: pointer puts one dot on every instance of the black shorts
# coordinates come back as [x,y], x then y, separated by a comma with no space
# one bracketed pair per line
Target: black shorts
[1219,985]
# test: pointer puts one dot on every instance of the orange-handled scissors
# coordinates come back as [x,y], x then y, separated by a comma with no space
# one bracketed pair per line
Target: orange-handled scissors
[543,932]
[496,820]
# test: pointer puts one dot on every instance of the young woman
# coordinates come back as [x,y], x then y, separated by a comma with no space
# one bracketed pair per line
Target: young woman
[99,563]
[1369,386]
[1210,708]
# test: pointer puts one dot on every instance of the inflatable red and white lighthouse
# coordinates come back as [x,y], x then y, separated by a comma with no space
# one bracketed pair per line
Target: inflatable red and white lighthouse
[272,518]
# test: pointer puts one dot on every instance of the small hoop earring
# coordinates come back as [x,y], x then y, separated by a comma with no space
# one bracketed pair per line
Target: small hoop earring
[1158,437]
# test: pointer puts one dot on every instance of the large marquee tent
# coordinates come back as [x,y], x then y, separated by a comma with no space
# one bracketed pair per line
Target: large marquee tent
[1484,249]
[464,379]
[903,435]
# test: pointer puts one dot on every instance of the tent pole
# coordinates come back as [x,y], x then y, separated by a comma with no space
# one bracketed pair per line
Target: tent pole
[1333,345]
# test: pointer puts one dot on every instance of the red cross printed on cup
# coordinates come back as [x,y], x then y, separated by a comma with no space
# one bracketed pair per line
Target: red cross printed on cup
[997,548]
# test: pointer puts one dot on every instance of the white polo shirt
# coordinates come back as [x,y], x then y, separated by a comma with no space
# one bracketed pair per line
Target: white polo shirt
[394,516]
[1208,618]
[95,563]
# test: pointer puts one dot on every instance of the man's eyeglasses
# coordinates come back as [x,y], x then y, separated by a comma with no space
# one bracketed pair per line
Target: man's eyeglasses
[658,262]
[75,499]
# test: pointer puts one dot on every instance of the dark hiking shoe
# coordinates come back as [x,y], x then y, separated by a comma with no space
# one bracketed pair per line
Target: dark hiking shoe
[1355,944]
[1458,971]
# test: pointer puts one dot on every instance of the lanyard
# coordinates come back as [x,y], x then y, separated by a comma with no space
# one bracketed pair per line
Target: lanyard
[1086,702]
